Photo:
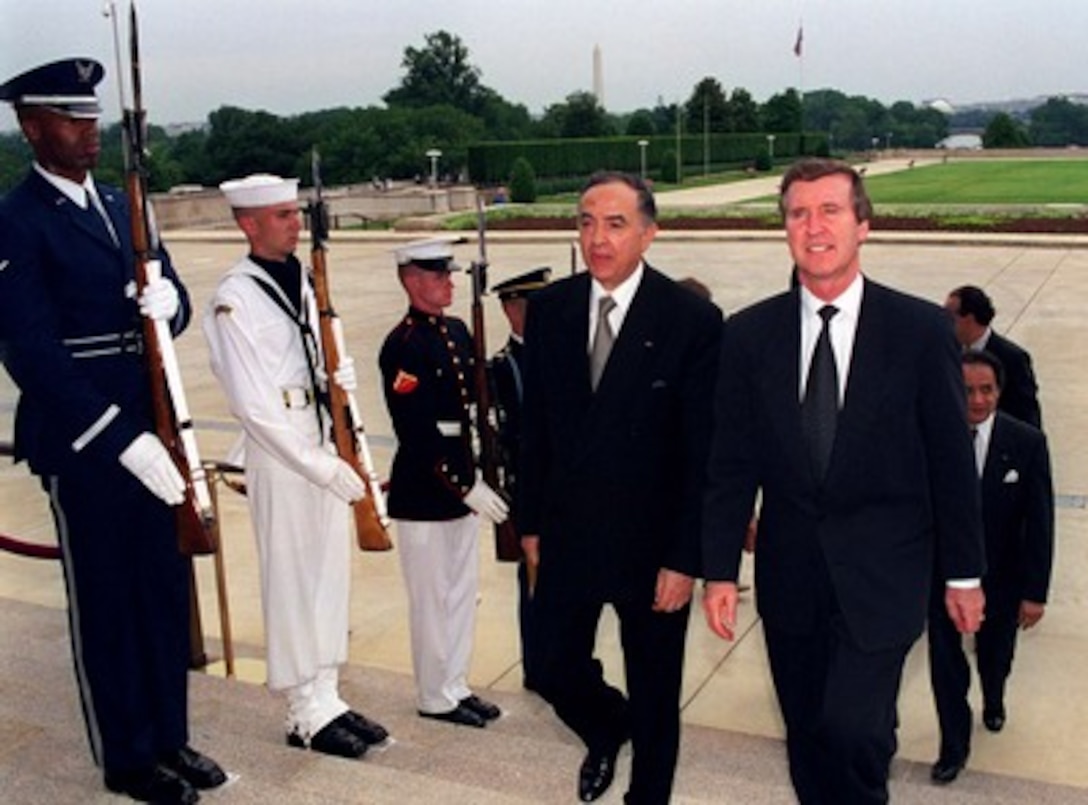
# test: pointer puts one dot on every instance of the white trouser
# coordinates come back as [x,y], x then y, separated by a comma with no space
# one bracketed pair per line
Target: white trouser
[312,705]
[441,573]
[305,550]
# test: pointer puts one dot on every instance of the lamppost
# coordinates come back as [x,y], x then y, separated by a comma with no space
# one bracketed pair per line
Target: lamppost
[434,155]
[642,157]
[770,147]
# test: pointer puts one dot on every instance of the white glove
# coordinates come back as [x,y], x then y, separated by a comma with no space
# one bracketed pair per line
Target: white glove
[159,300]
[344,376]
[486,502]
[148,460]
[346,483]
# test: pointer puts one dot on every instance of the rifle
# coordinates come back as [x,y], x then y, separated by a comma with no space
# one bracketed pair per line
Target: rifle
[507,542]
[371,520]
[173,424]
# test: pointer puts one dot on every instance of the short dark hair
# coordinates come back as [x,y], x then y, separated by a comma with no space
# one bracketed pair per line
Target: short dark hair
[982,357]
[974,302]
[809,169]
[646,204]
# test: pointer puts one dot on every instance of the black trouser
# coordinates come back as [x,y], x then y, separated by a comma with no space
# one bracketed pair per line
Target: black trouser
[571,679]
[839,706]
[128,612]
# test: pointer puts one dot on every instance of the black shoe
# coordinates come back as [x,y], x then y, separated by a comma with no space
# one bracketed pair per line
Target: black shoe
[596,774]
[458,715]
[156,784]
[371,732]
[994,718]
[332,739]
[945,771]
[198,770]
[484,709]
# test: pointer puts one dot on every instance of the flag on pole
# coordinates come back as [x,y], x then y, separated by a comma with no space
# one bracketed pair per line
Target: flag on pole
[800,38]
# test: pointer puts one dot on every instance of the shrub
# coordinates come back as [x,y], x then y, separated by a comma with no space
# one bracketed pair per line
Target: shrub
[668,167]
[522,181]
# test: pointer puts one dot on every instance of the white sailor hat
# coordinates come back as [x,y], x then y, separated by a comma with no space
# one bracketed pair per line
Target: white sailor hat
[259,190]
[65,87]
[434,254]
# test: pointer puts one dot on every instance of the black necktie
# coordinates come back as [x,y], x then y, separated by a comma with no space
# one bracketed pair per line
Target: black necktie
[820,408]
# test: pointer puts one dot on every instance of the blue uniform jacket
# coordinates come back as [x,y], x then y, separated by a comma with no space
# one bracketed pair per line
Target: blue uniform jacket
[73,343]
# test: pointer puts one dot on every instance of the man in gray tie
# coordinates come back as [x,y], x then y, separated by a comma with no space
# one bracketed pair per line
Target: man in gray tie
[619,371]
[842,402]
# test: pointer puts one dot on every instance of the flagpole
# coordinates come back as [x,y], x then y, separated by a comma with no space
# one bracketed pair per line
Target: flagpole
[799,52]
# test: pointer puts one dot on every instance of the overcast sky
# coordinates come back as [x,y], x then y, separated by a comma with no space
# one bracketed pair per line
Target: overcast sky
[286,56]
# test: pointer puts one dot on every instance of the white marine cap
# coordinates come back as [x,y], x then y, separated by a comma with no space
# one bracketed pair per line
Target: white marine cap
[259,190]
[434,254]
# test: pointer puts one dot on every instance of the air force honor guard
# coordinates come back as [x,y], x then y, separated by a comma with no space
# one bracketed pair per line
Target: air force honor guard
[435,493]
[260,326]
[84,423]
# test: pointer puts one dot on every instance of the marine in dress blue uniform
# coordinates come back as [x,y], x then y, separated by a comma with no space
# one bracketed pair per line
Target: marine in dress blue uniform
[435,493]
[84,424]
[508,384]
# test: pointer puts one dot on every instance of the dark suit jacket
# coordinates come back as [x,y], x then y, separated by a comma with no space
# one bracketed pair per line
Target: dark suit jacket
[901,481]
[1019,395]
[1018,511]
[611,481]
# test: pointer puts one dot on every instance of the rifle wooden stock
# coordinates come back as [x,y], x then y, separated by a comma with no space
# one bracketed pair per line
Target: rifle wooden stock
[173,425]
[507,541]
[371,532]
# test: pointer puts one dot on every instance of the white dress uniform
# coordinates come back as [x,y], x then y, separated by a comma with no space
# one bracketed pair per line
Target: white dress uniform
[302,529]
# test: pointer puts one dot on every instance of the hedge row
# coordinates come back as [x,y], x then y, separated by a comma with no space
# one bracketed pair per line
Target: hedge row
[492,163]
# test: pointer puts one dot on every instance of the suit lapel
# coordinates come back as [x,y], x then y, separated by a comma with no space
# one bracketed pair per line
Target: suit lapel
[783,383]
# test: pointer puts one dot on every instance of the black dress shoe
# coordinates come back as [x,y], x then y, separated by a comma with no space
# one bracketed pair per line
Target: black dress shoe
[945,771]
[371,732]
[459,715]
[596,774]
[484,709]
[198,770]
[332,739]
[155,784]
[994,719]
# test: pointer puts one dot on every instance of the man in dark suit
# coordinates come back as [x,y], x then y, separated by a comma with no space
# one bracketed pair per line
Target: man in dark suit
[973,313]
[613,462]
[865,470]
[1018,516]
[84,424]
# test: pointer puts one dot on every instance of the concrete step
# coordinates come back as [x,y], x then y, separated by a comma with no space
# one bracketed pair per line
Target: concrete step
[527,756]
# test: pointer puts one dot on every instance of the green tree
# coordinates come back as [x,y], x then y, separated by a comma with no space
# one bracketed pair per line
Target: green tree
[1058,123]
[782,112]
[580,116]
[522,181]
[640,124]
[707,107]
[741,112]
[1004,132]
[241,142]
[438,74]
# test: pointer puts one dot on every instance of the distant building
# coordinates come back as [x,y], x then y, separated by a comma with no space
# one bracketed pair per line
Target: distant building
[961,142]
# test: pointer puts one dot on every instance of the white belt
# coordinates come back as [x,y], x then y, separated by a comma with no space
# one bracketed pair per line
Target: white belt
[297,397]
[449,428]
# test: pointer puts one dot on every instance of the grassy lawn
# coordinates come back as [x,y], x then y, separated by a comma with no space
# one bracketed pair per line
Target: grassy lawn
[1039,181]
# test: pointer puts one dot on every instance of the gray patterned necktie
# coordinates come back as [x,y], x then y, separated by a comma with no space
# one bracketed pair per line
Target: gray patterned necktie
[602,341]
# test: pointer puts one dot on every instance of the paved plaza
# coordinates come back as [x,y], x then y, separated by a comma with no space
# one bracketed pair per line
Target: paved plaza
[1040,289]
